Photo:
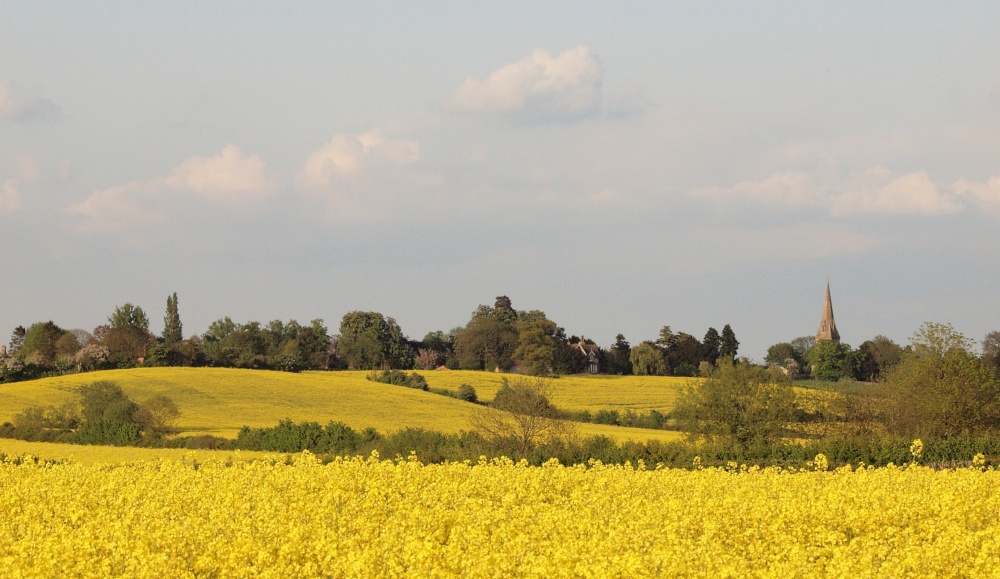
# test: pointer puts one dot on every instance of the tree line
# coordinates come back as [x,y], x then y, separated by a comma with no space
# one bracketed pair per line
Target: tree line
[496,337]
[937,387]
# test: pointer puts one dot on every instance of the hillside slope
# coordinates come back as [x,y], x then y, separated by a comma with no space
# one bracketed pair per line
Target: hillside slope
[220,401]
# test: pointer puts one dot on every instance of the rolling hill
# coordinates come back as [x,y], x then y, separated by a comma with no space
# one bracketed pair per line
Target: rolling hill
[219,401]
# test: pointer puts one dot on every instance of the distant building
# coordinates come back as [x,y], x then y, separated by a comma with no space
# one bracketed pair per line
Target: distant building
[592,353]
[827,326]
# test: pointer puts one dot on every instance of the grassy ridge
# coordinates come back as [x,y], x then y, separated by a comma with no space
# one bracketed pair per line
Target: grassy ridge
[220,401]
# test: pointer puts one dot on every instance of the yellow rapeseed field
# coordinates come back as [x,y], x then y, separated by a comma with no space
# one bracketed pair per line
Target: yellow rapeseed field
[89,454]
[393,518]
[220,401]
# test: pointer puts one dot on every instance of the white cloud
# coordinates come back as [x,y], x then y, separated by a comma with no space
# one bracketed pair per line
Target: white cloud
[910,194]
[539,87]
[226,176]
[229,179]
[19,107]
[10,196]
[788,188]
[987,195]
[118,208]
[365,177]
[350,155]
[876,191]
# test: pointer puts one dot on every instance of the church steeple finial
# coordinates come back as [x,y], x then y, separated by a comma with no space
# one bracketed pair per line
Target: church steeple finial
[827,326]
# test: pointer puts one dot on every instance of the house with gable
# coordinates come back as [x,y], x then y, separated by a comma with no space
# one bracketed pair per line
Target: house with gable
[591,352]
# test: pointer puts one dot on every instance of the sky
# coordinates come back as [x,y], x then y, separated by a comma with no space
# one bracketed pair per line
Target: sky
[619,166]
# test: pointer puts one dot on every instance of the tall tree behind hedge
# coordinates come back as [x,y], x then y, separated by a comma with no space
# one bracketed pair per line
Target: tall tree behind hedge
[730,345]
[128,338]
[711,346]
[39,343]
[172,329]
[617,359]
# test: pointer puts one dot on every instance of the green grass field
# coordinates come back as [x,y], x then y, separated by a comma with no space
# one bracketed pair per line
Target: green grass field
[220,401]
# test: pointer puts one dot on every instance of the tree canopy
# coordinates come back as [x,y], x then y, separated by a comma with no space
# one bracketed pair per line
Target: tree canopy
[942,388]
[369,340]
[739,403]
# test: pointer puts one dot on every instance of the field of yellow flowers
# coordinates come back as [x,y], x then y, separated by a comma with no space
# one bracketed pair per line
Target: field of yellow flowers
[372,517]
[219,401]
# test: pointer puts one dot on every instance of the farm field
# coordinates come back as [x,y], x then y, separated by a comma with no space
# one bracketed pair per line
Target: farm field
[219,401]
[89,454]
[580,392]
[370,517]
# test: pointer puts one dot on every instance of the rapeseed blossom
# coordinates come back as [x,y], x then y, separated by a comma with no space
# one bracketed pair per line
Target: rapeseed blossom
[370,517]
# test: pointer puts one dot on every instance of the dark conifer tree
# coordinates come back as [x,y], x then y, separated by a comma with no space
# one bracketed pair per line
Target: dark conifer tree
[729,345]
[172,329]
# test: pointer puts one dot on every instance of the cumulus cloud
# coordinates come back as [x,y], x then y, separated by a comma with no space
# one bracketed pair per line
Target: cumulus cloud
[986,195]
[364,177]
[229,179]
[26,171]
[539,87]
[346,156]
[881,193]
[788,188]
[118,208]
[225,176]
[876,191]
[17,106]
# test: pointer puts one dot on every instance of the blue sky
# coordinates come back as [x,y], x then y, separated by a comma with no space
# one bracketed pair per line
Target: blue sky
[620,167]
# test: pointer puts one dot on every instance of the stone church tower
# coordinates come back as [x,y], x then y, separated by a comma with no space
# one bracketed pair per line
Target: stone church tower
[827,327]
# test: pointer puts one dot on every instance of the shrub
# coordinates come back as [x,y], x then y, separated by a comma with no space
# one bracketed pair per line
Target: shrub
[399,378]
[156,415]
[468,393]
[106,432]
[606,417]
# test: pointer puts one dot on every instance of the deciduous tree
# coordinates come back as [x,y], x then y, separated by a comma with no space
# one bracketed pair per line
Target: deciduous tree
[778,354]
[991,350]
[485,344]
[617,358]
[39,344]
[127,338]
[647,360]
[877,356]
[831,360]
[369,340]
[739,403]
[942,389]
[521,416]
[536,346]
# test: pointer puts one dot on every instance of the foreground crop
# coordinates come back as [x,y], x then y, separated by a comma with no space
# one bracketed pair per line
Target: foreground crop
[390,518]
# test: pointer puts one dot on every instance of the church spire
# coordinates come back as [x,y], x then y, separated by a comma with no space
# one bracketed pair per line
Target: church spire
[827,327]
